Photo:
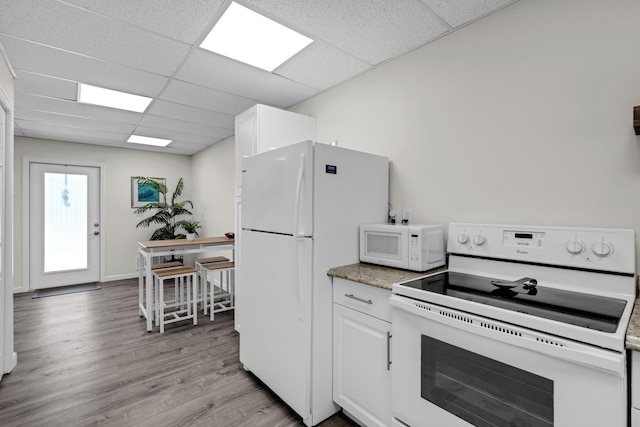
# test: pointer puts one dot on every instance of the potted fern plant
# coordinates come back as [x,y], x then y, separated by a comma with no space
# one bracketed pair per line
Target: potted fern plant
[191,226]
[166,210]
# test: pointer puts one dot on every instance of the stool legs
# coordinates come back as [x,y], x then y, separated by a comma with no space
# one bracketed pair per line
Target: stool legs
[185,302]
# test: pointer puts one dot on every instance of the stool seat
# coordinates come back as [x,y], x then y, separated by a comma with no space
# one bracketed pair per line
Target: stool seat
[185,300]
[219,265]
[168,264]
[170,272]
[211,259]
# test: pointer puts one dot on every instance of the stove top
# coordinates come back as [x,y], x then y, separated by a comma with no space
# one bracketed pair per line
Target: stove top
[576,283]
[526,296]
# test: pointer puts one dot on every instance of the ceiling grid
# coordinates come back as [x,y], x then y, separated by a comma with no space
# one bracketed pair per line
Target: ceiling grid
[151,48]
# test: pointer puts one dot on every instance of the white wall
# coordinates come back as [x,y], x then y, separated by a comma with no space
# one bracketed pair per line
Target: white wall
[119,223]
[524,117]
[213,183]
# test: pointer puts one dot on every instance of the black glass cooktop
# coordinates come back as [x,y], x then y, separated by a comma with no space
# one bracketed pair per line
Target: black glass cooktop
[529,297]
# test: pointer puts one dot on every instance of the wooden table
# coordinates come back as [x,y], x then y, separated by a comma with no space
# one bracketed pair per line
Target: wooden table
[157,248]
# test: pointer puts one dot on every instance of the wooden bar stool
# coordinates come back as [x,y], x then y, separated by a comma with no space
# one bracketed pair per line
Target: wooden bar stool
[221,297]
[141,289]
[203,277]
[185,302]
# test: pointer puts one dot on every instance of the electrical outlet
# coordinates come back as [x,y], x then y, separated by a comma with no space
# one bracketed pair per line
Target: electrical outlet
[406,216]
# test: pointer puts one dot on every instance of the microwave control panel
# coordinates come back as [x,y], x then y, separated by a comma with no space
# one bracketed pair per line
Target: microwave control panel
[414,247]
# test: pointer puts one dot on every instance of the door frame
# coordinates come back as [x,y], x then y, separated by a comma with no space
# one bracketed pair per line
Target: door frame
[26,185]
[10,357]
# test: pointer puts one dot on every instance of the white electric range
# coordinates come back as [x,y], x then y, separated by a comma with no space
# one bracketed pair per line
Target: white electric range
[526,328]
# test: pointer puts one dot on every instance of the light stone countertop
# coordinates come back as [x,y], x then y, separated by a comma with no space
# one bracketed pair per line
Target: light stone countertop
[377,275]
[633,331]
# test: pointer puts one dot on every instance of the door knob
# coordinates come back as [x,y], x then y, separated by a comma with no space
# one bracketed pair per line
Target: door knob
[95,233]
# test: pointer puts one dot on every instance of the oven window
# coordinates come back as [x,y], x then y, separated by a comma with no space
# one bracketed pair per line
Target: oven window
[482,391]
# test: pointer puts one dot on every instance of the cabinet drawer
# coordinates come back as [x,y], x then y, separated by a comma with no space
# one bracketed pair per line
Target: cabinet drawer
[364,298]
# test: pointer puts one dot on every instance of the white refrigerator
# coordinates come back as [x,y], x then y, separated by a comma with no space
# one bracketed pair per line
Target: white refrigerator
[302,205]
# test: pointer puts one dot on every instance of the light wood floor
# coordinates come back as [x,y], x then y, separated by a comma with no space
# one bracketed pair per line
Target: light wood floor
[86,359]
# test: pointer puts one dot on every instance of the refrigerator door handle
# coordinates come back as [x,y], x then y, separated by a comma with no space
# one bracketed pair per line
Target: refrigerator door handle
[297,198]
[299,271]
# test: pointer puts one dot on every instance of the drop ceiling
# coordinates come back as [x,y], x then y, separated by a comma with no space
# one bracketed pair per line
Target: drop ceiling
[150,48]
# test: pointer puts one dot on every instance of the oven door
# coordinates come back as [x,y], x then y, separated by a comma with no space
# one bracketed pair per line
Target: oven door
[452,369]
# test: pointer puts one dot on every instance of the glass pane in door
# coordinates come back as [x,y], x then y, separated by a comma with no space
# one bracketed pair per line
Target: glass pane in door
[65,222]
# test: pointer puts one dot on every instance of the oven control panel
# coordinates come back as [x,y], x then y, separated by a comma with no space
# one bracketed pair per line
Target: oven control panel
[606,249]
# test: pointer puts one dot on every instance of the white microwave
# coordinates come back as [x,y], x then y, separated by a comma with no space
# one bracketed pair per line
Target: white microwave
[416,247]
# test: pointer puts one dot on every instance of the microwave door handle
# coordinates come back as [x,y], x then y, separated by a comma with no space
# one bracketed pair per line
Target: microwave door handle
[297,198]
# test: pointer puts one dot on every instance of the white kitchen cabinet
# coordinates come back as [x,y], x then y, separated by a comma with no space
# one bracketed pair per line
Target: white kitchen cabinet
[635,389]
[263,128]
[259,129]
[361,351]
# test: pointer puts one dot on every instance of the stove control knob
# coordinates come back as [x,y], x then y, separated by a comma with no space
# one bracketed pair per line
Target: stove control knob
[463,238]
[479,239]
[574,247]
[602,249]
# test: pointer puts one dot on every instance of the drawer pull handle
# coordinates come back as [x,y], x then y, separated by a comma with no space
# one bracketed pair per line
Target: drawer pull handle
[352,296]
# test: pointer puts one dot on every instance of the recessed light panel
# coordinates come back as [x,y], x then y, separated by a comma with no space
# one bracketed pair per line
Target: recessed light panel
[146,140]
[112,98]
[249,37]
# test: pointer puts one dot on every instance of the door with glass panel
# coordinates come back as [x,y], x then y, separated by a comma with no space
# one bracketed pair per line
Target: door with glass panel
[64,225]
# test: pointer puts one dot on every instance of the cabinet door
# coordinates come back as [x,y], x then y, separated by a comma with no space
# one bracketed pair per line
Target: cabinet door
[361,375]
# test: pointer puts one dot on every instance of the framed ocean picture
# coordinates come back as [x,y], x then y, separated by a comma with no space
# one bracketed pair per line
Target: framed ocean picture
[143,193]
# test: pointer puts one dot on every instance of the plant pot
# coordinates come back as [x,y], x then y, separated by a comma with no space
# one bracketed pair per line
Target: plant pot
[191,236]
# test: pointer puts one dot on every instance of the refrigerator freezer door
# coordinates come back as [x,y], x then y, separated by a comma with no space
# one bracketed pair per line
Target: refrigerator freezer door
[275,342]
[277,188]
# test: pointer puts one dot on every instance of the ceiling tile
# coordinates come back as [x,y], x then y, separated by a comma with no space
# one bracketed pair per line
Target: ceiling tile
[459,12]
[37,84]
[321,66]
[66,137]
[372,30]
[41,21]
[182,126]
[209,99]
[41,103]
[215,71]
[180,20]
[87,134]
[192,114]
[72,121]
[177,136]
[65,65]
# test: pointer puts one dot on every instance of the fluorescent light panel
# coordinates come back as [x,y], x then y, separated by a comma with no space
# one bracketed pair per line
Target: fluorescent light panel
[249,37]
[146,140]
[112,98]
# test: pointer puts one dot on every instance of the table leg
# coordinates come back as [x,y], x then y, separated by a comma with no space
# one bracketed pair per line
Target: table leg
[140,284]
[149,293]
